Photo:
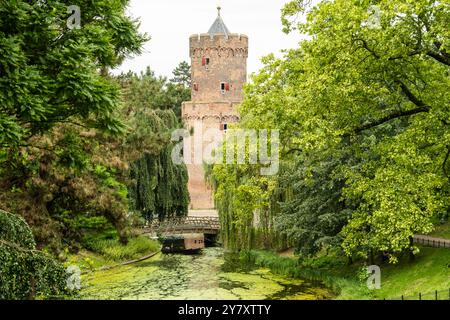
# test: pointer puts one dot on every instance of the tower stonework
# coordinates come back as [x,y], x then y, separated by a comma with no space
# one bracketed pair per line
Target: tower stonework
[219,72]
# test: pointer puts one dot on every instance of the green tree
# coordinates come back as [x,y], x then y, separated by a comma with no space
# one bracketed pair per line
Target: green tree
[384,87]
[147,90]
[182,75]
[61,116]
[364,114]
[50,73]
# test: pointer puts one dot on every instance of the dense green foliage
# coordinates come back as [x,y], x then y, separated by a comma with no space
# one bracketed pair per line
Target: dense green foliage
[60,117]
[363,112]
[161,187]
[312,212]
[26,273]
[49,73]
[182,75]
[73,137]
[240,199]
[148,91]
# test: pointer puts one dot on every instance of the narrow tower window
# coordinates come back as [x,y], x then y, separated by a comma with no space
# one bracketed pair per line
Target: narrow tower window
[224,87]
[195,86]
[205,61]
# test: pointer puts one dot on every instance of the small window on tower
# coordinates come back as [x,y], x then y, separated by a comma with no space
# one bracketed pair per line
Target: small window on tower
[195,86]
[207,61]
[223,87]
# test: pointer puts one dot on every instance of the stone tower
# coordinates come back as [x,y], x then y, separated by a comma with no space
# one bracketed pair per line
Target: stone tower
[219,71]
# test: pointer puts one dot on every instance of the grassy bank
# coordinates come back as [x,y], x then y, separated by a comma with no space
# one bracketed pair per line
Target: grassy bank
[103,253]
[430,271]
[442,231]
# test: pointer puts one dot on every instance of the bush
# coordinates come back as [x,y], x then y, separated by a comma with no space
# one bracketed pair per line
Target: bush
[26,273]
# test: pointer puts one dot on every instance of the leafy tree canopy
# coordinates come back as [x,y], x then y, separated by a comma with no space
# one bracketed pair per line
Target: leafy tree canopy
[151,92]
[363,109]
[50,74]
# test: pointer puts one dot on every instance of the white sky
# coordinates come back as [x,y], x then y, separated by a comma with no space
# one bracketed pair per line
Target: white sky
[171,22]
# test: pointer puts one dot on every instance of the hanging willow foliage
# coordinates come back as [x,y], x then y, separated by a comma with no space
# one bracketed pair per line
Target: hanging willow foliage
[25,273]
[246,204]
[160,187]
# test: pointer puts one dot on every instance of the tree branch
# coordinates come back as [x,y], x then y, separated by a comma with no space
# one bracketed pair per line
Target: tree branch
[411,54]
[444,164]
[395,115]
[366,46]
[439,57]
[421,107]
[408,93]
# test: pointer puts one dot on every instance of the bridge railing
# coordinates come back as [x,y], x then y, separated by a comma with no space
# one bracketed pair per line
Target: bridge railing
[185,224]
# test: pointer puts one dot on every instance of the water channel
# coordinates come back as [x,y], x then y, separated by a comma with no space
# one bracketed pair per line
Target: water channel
[207,276]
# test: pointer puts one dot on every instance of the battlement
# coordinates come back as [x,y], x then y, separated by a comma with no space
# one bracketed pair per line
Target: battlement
[232,45]
[219,36]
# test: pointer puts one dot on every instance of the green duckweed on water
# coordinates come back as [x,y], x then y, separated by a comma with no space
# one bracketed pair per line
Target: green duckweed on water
[206,276]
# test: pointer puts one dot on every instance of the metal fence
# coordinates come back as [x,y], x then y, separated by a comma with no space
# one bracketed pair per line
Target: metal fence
[431,242]
[436,295]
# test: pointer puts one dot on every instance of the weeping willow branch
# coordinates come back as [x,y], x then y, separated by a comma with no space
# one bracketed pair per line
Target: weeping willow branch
[444,164]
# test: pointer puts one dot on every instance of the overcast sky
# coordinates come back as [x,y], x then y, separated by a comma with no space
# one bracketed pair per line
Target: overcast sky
[171,22]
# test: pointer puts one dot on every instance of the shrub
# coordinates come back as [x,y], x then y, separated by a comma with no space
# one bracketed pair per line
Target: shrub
[26,273]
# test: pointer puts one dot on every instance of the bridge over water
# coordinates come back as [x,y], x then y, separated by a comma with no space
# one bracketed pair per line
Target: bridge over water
[185,225]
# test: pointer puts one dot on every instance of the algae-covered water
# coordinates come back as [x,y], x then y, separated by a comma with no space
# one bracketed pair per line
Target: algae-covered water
[208,276]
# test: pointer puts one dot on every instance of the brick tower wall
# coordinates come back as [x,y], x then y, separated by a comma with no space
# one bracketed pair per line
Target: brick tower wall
[210,104]
[227,63]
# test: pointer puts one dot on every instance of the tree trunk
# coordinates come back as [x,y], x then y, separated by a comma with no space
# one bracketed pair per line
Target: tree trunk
[32,294]
[350,261]
[371,259]
[411,252]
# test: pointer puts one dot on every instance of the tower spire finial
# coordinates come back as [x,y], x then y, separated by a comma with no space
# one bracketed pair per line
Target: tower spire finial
[219,26]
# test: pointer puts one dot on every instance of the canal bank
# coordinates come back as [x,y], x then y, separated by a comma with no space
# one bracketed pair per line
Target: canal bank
[211,275]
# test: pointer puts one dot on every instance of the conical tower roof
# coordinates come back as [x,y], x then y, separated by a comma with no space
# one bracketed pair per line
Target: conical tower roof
[218,26]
